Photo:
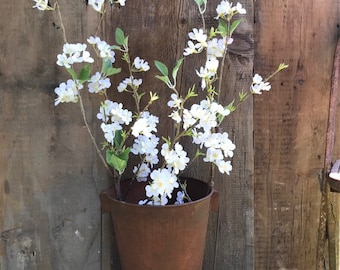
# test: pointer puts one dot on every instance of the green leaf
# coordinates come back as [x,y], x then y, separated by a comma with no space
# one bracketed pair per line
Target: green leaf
[112,71]
[222,28]
[164,79]
[108,70]
[231,106]
[118,162]
[162,68]
[72,73]
[200,2]
[84,73]
[118,139]
[125,154]
[176,68]
[234,26]
[120,37]
[115,47]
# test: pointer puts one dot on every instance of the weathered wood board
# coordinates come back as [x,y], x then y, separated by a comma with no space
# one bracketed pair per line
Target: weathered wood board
[290,128]
[50,175]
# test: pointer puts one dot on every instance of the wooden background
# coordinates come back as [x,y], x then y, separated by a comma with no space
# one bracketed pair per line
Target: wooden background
[50,175]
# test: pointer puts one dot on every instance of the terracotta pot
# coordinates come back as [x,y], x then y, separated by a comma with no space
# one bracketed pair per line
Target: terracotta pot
[161,237]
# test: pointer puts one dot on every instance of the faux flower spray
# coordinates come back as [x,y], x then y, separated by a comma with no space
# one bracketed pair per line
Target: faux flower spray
[162,160]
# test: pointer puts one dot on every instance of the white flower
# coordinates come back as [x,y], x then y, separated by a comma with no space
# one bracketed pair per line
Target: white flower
[199,36]
[180,197]
[175,158]
[63,61]
[120,115]
[200,138]
[74,53]
[110,130]
[98,84]
[218,108]
[191,49]
[175,102]
[113,113]
[137,82]
[163,183]
[41,4]
[93,40]
[175,116]
[123,85]
[142,172]
[105,51]
[145,145]
[121,2]
[67,92]
[212,65]
[216,47]
[188,119]
[205,75]
[213,155]
[146,124]
[104,110]
[96,4]
[259,85]
[160,188]
[141,64]
[224,166]
[240,9]
[224,9]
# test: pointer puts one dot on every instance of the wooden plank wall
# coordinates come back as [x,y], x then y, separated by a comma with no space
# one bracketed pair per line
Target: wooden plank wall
[50,175]
[290,128]
[49,207]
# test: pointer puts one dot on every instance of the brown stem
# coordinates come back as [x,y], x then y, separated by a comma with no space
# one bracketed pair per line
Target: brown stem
[90,133]
[56,6]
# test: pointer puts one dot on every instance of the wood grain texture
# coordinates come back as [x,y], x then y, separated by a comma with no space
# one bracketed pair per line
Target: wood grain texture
[290,128]
[50,175]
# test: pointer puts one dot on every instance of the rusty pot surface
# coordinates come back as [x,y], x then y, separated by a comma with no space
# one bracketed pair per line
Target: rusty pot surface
[168,237]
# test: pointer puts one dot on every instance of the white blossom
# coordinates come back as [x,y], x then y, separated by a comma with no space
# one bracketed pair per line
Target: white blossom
[74,53]
[259,85]
[161,187]
[216,47]
[224,166]
[97,84]
[141,64]
[142,172]
[146,124]
[175,101]
[96,4]
[67,92]
[41,4]
[191,49]
[180,197]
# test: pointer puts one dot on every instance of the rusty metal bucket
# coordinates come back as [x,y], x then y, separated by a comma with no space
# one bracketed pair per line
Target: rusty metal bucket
[161,237]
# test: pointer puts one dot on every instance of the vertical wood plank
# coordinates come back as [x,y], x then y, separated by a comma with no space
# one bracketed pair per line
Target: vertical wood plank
[234,248]
[290,128]
[50,175]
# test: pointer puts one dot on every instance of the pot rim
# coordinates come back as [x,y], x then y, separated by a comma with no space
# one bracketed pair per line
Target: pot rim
[210,192]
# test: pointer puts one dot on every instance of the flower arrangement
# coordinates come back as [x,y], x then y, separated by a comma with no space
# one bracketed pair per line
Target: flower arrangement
[128,132]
